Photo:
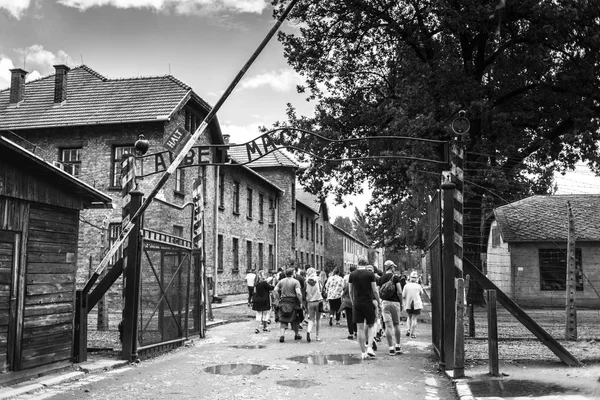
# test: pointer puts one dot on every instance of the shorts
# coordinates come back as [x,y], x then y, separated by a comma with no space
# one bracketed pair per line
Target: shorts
[362,312]
[391,312]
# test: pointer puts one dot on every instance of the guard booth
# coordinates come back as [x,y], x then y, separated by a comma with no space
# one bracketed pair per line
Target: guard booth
[39,224]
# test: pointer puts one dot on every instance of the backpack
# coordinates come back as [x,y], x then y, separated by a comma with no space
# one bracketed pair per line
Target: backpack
[388,289]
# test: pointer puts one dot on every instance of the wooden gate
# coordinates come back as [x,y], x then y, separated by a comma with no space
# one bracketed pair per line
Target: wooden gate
[434,246]
[8,298]
[170,307]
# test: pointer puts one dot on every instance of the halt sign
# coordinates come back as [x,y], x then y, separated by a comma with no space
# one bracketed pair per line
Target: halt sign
[177,140]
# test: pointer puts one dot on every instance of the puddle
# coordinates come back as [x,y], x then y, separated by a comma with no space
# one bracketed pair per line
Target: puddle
[249,346]
[297,383]
[236,369]
[516,388]
[325,359]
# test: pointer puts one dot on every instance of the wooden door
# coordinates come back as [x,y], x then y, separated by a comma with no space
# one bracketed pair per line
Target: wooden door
[8,267]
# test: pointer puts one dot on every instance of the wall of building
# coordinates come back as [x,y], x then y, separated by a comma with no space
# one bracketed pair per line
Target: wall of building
[526,268]
[498,262]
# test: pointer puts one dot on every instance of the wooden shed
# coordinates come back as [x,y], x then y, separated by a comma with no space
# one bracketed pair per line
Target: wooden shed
[39,223]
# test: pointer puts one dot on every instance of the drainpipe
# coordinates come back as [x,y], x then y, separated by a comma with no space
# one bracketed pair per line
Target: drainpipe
[216,232]
[276,230]
[316,237]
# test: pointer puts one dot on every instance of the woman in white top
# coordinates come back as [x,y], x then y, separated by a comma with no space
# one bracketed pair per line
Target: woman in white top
[411,299]
[313,298]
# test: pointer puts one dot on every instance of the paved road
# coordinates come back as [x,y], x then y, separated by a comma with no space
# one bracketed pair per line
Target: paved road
[233,362]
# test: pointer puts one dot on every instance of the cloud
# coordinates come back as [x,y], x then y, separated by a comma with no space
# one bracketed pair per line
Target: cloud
[15,7]
[37,58]
[178,6]
[284,80]
[242,134]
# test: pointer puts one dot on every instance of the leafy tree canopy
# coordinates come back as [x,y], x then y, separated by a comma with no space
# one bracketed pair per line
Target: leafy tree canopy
[526,73]
[343,223]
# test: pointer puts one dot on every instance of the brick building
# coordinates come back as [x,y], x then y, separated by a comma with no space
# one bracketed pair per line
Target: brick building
[84,122]
[344,249]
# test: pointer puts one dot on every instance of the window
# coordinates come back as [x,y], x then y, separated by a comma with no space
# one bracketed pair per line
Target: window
[271,258]
[317,231]
[321,234]
[294,193]
[312,230]
[236,197]
[222,191]
[301,258]
[235,250]
[307,228]
[191,121]
[118,152]
[248,255]
[260,256]
[301,226]
[261,207]
[220,253]
[272,209]
[312,260]
[71,158]
[293,235]
[249,201]
[495,236]
[179,180]
[553,269]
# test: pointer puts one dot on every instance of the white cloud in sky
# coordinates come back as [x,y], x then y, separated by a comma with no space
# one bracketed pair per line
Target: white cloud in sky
[179,6]
[284,80]
[38,62]
[242,134]
[16,8]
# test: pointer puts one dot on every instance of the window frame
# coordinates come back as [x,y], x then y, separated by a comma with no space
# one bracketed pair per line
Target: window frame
[115,167]
[76,163]
[236,197]
[221,191]
[235,252]
[220,251]
[553,269]
[249,202]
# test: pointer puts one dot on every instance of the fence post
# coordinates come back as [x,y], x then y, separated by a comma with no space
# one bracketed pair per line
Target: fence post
[492,332]
[81,313]
[132,285]
[571,327]
[459,331]
[447,281]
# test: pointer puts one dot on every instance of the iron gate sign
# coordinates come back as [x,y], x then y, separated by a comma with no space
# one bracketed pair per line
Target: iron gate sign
[377,147]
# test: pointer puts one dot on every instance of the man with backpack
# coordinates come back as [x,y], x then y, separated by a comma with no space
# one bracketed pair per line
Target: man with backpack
[390,292]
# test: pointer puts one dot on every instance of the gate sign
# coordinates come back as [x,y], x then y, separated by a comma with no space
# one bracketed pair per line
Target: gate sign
[176,140]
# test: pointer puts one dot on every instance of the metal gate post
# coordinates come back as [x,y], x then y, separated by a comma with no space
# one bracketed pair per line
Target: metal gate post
[448,292]
[131,289]
[80,339]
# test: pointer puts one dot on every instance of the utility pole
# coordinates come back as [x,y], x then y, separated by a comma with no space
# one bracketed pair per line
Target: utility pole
[571,328]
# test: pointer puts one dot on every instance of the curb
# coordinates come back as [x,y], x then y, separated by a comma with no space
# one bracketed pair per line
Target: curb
[462,387]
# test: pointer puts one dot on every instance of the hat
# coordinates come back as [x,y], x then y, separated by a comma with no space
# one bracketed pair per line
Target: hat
[414,275]
[389,264]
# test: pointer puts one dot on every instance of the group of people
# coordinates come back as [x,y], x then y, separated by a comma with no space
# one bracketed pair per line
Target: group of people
[299,295]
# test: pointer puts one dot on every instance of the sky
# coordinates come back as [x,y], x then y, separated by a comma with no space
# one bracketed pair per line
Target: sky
[203,43]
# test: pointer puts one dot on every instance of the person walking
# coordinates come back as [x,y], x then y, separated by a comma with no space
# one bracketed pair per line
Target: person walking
[392,307]
[250,282]
[289,297]
[347,306]
[411,297]
[261,302]
[334,288]
[313,303]
[363,288]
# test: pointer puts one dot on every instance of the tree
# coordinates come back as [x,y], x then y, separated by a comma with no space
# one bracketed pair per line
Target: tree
[343,223]
[360,226]
[525,73]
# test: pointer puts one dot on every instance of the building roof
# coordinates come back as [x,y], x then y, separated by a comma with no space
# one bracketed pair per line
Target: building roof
[349,235]
[545,218]
[32,163]
[307,199]
[93,99]
[277,158]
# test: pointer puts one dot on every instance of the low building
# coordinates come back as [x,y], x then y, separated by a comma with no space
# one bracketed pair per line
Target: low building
[344,249]
[527,249]
[40,209]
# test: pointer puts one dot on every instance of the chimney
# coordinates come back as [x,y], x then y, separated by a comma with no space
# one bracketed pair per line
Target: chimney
[60,83]
[17,85]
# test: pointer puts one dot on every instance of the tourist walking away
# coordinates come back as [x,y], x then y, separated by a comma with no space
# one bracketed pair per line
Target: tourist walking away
[289,297]
[363,289]
[261,302]
[411,297]
[334,288]
[390,292]
[314,302]
[347,306]
[250,282]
